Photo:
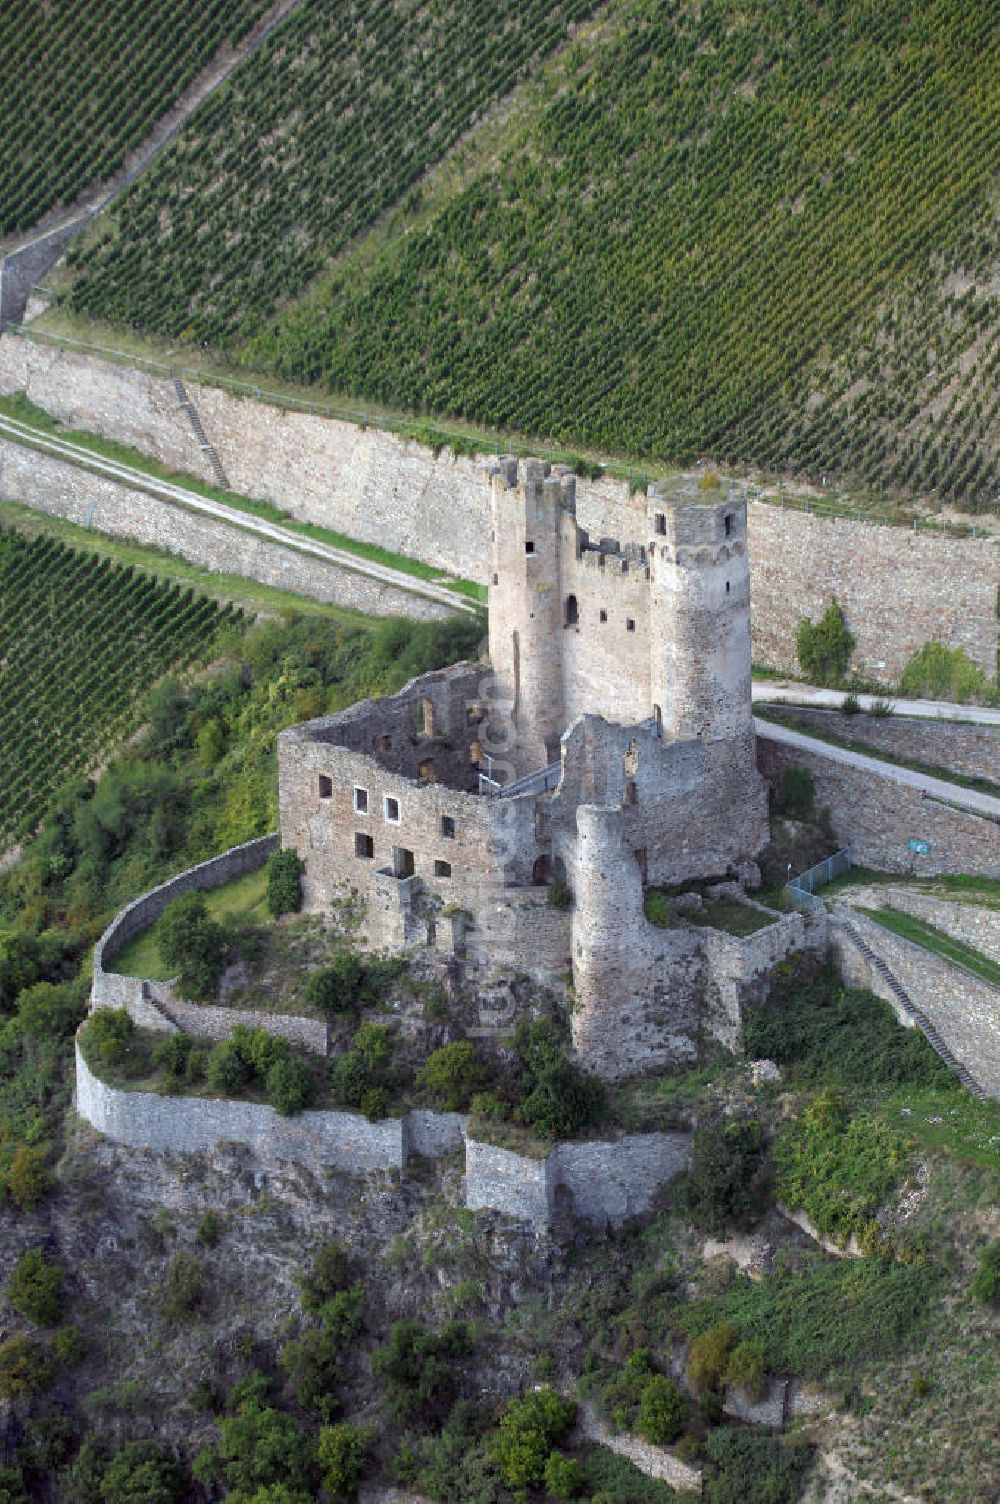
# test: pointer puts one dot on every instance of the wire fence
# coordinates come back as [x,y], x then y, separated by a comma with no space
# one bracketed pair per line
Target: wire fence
[801,890]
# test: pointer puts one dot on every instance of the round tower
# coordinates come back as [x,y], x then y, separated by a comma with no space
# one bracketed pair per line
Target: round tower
[607,918]
[700,618]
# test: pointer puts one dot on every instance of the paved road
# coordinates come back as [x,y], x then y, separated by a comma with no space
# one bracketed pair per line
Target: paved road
[779,692]
[75,454]
[953,793]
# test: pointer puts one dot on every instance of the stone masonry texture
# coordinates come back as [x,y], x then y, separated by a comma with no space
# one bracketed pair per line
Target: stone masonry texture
[958,746]
[898,589]
[877,817]
[90,500]
[969,922]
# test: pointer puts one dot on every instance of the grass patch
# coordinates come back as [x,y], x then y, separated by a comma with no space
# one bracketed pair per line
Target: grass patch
[735,918]
[936,941]
[24,411]
[839,1169]
[241,902]
[608,1475]
[825,1315]
[950,1122]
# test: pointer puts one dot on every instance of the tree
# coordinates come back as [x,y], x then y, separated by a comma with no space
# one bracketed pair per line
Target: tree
[709,1356]
[662,1409]
[193,946]
[36,1288]
[451,1074]
[412,1367]
[336,988]
[725,1161]
[290,1086]
[563,1100]
[142,1473]
[824,648]
[986,1285]
[311,1363]
[260,1446]
[28,1178]
[25,1367]
[342,1453]
[327,1276]
[530,1429]
[563,1476]
[284,882]
[746,1367]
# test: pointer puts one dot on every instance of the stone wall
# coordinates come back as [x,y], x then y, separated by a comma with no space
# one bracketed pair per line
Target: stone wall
[899,589]
[166,1013]
[976,926]
[22,268]
[655,1462]
[964,1010]
[191,1125]
[878,816]
[82,496]
[736,964]
[600,1181]
[959,746]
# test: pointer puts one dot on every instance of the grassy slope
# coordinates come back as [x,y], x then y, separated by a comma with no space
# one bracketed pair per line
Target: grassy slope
[243,901]
[933,939]
[763,232]
[86,82]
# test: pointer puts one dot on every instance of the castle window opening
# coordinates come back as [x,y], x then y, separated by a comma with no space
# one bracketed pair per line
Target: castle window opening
[383,743]
[629,624]
[642,858]
[360,800]
[364,846]
[660,523]
[658,718]
[729,524]
[427,716]
[390,809]
[426,770]
[572,611]
[442,869]
[325,787]
[541,824]
[630,761]
[448,827]
[475,752]
[541,872]
[403,864]
[727,587]
[529,547]
[604,615]
[496,579]
[631,791]
[601,561]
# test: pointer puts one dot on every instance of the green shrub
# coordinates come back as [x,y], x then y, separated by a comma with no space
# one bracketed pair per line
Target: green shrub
[750,1467]
[373,1043]
[937,672]
[142,1473]
[375,1103]
[414,1369]
[986,1285]
[210,1229]
[28,1178]
[796,793]
[260,1447]
[350,1078]
[69,1344]
[284,882]
[290,1086]
[746,1368]
[559,895]
[106,1036]
[721,1182]
[172,1054]
[662,1411]
[563,1476]
[709,1356]
[25,1367]
[563,1100]
[226,1069]
[342,1453]
[824,648]
[327,1277]
[35,1289]
[336,988]
[451,1075]
[259,1049]
[850,705]
[311,1363]
[530,1428]
[343,1314]
[193,946]
[185,1287]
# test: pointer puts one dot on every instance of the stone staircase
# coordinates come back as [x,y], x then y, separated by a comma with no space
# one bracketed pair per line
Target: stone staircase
[187,406]
[843,921]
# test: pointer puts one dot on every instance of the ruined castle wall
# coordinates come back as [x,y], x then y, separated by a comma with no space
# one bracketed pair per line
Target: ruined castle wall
[190,1125]
[968,922]
[206,1022]
[63,489]
[514,1184]
[877,817]
[736,965]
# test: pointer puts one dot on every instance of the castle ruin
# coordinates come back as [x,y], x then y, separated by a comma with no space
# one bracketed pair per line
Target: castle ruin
[509,814]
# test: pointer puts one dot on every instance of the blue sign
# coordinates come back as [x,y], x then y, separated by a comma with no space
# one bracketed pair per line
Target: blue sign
[919,848]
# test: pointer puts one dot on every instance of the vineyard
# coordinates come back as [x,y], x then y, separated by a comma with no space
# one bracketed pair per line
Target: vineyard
[81,641]
[764,232]
[335,118]
[86,80]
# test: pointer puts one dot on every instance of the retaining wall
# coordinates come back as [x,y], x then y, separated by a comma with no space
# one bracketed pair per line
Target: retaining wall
[21,269]
[655,1462]
[877,817]
[899,589]
[964,1010]
[599,1181]
[976,926]
[961,747]
[64,489]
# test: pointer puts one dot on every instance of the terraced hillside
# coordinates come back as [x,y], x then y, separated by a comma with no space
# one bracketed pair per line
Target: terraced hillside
[85,81]
[81,642]
[767,232]
[332,121]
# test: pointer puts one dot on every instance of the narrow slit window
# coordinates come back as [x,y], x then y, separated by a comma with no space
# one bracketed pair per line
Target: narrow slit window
[661,524]
[604,615]
[631,792]
[325,787]
[360,801]
[448,827]
[629,624]
[572,611]
[390,808]
[729,524]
